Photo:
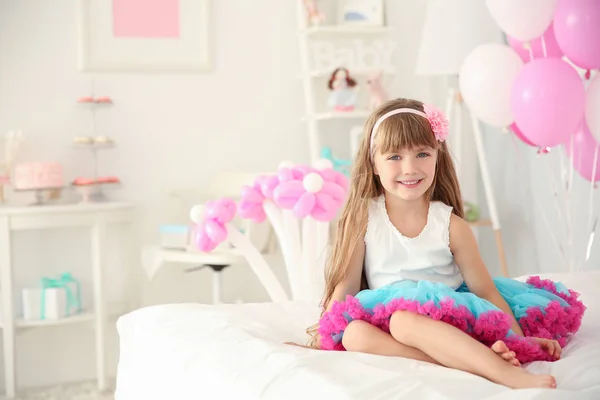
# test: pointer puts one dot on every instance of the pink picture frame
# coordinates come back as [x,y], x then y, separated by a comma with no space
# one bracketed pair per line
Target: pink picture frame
[168,36]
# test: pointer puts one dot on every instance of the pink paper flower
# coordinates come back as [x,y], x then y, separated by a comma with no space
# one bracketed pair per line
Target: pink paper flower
[212,230]
[439,122]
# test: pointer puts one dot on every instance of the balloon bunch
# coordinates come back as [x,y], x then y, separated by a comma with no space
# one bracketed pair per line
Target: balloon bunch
[534,85]
[544,86]
[294,195]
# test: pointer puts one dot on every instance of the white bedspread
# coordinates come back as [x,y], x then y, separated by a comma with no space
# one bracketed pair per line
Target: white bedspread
[192,351]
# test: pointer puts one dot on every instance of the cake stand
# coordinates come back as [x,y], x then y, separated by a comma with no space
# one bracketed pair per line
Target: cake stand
[40,199]
[95,192]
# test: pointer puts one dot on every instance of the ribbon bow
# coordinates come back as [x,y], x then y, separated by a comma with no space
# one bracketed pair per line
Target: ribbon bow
[63,281]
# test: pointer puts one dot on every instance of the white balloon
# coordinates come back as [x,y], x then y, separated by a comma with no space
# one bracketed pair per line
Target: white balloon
[522,19]
[486,79]
[197,213]
[286,164]
[312,182]
[592,107]
[323,163]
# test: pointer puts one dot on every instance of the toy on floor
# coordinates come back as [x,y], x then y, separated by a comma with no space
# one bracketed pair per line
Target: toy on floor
[378,95]
[343,90]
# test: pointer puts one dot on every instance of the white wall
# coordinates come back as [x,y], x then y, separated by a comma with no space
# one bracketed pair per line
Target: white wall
[249,108]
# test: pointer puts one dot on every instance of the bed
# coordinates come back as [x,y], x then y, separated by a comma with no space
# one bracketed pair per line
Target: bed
[194,351]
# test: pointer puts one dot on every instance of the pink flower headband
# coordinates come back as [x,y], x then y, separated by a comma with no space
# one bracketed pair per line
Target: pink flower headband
[437,120]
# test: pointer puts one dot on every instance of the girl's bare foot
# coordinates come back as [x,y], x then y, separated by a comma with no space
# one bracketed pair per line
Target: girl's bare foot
[520,378]
[502,350]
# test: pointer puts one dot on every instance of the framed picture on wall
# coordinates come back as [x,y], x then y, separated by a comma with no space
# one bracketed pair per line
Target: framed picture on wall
[360,12]
[144,36]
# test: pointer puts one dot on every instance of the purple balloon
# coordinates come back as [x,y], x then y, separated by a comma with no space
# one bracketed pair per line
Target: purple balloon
[547,101]
[584,148]
[537,47]
[577,30]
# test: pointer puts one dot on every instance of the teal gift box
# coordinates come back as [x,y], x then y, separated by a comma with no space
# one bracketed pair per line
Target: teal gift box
[57,297]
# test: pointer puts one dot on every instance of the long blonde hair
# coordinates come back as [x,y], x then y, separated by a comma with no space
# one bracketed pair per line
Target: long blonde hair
[400,131]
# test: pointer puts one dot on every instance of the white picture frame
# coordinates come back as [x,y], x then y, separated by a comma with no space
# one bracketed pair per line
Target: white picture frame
[101,51]
[360,12]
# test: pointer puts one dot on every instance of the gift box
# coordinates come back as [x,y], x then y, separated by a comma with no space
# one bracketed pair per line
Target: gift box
[174,236]
[55,298]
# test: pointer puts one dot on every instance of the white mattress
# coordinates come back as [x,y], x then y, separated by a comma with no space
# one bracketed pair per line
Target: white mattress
[193,351]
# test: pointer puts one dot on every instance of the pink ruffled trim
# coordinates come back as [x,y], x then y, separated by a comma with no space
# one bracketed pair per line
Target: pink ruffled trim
[556,322]
[490,327]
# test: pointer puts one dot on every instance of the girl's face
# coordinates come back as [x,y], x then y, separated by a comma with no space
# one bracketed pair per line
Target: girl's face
[407,173]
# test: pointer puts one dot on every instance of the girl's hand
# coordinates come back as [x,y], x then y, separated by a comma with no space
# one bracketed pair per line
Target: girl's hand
[551,346]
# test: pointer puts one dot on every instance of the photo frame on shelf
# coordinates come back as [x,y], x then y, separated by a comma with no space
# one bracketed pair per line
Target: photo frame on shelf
[360,12]
[141,36]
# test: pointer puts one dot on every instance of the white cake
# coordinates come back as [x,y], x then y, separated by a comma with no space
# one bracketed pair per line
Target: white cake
[38,175]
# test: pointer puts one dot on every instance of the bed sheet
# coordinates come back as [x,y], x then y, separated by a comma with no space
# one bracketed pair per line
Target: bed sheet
[194,351]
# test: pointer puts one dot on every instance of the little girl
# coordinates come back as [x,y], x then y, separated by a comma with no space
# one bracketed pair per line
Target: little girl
[405,277]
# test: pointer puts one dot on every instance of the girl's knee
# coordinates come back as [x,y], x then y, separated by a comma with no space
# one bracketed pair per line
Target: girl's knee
[403,324]
[355,336]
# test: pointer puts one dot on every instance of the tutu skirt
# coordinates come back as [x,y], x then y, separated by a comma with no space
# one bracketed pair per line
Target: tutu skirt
[543,308]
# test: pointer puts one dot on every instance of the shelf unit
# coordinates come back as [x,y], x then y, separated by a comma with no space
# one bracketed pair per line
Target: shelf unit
[339,30]
[306,34]
[96,219]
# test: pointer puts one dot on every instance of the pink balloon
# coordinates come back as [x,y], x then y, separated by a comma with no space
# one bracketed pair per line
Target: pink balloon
[202,241]
[325,208]
[299,171]
[520,135]
[251,194]
[215,231]
[584,148]
[268,184]
[537,48]
[304,205]
[286,174]
[547,101]
[287,193]
[211,230]
[335,191]
[577,30]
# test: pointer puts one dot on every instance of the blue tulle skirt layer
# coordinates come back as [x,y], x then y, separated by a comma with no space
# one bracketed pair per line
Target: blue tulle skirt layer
[543,309]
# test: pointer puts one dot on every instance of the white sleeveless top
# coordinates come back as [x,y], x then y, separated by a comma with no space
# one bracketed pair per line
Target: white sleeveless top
[392,257]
